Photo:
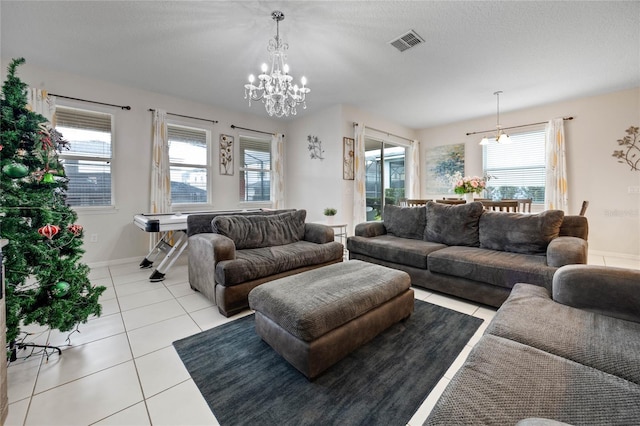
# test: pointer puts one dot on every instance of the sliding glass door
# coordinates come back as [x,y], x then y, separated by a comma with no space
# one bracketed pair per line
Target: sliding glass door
[385,175]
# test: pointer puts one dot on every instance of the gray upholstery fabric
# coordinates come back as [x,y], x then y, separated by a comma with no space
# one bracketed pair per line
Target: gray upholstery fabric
[454,225]
[250,232]
[498,268]
[318,233]
[530,317]
[309,305]
[405,222]
[614,292]
[404,251]
[370,229]
[503,382]
[198,223]
[567,251]
[575,226]
[251,264]
[519,232]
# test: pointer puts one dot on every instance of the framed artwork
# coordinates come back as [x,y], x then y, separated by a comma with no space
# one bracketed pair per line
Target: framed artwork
[442,163]
[347,159]
[226,155]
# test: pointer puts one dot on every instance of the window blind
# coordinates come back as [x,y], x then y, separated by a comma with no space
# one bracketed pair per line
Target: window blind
[521,163]
[82,119]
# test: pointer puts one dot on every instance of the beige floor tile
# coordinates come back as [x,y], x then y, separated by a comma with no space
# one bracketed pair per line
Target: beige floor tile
[109,307]
[210,317]
[95,329]
[194,302]
[161,334]
[181,289]
[193,408]
[420,293]
[146,315]
[486,313]
[21,378]
[454,304]
[88,399]
[160,370]
[457,363]
[136,415]
[618,262]
[425,409]
[136,287]
[17,412]
[82,360]
[132,276]
[99,273]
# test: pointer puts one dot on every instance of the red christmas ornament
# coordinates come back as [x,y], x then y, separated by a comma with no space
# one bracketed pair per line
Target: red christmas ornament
[49,231]
[75,229]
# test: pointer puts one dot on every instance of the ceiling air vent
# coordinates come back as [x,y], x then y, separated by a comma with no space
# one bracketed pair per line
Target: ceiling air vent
[407,41]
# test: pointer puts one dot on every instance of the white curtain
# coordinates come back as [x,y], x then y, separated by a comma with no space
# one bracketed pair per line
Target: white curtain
[359,192]
[277,174]
[40,102]
[555,195]
[160,200]
[414,170]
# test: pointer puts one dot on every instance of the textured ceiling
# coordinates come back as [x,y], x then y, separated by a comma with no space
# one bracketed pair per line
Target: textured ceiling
[536,52]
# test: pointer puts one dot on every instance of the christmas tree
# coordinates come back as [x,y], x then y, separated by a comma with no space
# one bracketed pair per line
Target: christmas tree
[45,281]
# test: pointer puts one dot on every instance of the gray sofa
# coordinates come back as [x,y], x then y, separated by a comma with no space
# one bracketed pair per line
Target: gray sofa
[229,255]
[465,251]
[571,355]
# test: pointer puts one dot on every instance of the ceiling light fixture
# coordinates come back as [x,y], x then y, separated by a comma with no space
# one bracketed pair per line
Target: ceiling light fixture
[275,90]
[501,137]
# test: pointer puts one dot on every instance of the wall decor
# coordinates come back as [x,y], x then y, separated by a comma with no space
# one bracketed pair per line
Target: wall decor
[226,155]
[315,148]
[442,163]
[347,158]
[630,154]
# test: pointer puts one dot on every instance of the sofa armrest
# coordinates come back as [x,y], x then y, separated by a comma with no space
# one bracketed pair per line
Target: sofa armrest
[318,233]
[614,292]
[563,251]
[370,229]
[210,248]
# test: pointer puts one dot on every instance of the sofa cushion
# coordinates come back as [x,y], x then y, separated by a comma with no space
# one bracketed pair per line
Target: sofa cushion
[531,317]
[519,232]
[249,232]
[394,249]
[498,268]
[251,264]
[453,225]
[503,382]
[405,222]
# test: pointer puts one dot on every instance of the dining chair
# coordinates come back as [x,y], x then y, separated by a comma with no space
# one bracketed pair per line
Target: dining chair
[501,206]
[524,204]
[583,209]
[416,203]
[402,202]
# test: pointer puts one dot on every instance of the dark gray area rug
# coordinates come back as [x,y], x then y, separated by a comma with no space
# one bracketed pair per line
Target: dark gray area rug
[245,382]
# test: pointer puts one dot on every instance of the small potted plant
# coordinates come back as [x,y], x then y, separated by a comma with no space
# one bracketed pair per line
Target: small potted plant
[330,212]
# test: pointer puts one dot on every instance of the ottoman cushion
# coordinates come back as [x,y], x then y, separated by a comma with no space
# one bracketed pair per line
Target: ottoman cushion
[310,304]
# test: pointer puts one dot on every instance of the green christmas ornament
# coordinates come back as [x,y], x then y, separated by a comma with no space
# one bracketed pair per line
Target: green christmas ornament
[61,289]
[48,178]
[15,170]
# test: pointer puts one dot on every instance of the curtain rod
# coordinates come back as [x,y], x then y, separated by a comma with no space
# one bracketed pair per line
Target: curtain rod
[386,133]
[188,116]
[127,107]
[515,127]
[233,126]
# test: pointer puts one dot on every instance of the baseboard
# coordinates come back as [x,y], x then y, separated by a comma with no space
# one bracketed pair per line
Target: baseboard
[614,254]
[114,262]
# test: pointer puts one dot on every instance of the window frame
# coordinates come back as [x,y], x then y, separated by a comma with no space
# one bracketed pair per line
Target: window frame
[110,161]
[208,204]
[241,169]
[542,166]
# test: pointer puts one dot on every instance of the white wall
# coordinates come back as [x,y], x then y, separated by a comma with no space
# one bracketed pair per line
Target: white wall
[593,174]
[118,238]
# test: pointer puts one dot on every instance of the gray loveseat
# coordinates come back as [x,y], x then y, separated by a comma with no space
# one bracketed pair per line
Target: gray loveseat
[465,251]
[571,356]
[229,255]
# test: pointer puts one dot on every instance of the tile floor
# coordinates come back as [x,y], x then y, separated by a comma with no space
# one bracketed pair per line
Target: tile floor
[121,368]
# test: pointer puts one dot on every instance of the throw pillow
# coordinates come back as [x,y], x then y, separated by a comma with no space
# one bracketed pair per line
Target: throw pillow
[404,222]
[453,224]
[518,232]
[257,231]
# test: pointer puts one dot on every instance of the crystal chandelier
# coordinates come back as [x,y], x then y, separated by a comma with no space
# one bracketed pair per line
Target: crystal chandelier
[501,136]
[280,98]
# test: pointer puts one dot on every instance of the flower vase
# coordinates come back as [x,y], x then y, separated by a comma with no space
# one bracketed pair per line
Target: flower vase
[468,197]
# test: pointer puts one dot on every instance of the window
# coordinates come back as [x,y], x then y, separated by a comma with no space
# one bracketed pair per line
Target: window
[188,164]
[87,163]
[517,170]
[385,173]
[255,169]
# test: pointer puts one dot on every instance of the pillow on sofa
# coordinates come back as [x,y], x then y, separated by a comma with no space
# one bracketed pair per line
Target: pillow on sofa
[255,231]
[453,224]
[404,222]
[518,232]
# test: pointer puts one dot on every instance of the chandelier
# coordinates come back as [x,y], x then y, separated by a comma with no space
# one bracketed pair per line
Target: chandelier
[501,137]
[280,98]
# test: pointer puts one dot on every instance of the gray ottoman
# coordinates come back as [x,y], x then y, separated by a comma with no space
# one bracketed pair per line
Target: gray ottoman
[316,318]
